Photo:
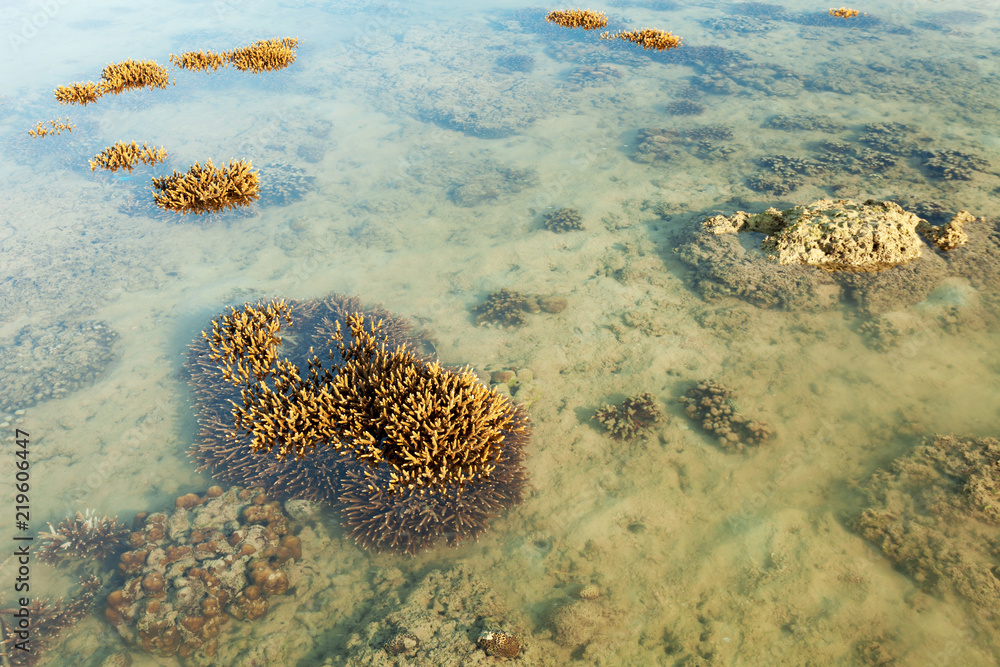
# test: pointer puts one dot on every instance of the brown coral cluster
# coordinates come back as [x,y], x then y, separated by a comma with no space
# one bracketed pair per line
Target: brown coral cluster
[265,55]
[631,417]
[949,236]
[505,308]
[78,93]
[710,404]
[213,557]
[563,220]
[47,621]
[844,13]
[499,643]
[120,77]
[56,127]
[648,38]
[208,189]
[85,536]
[200,61]
[244,346]
[127,156]
[578,18]
[412,452]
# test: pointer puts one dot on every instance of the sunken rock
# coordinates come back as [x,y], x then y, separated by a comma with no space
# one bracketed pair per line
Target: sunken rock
[835,235]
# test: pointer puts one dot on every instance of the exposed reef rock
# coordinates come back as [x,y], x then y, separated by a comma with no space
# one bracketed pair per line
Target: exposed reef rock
[711,405]
[835,235]
[52,361]
[632,417]
[193,570]
[949,236]
[935,513]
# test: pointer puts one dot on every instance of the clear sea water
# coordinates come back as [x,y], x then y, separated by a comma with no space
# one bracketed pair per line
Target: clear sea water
[430,138]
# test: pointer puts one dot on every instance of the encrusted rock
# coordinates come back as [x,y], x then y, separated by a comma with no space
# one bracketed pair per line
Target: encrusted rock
[835,235]
[950,236]
[401,642]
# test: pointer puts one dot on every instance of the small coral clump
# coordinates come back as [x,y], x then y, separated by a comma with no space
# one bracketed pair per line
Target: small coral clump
[85,536]
[54,127]
[499,643]
[200,61]
[647,38]
[119,77]
[208,189]
[505,308]
[844,13]
[631,417]
[578,18]
[78,93]
[127,156]
[710,404]
[563,220]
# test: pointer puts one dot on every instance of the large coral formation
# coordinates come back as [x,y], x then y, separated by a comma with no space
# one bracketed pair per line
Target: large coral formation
[85,536]
[46,361]
[935,513]
[563,220]
[208,189]
[711,404]
[630,418]
[424,452]
[227,453]
[578,18]
[127,156]
[48,620]
[835,235]
[120,77]
[265,55]
[189,571]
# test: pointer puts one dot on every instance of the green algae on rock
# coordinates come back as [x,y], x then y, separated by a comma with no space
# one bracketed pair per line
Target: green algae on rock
[834,235]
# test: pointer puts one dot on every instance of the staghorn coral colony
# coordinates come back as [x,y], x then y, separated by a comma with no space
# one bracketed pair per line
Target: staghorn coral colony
[208,189]
[578,18]
[85,536]
[127,156]
[409,451]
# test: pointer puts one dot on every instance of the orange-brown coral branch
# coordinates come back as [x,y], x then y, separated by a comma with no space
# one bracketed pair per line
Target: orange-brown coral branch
[78,93]
[208,189]
[578,18]
[647,38]
[53,127]
[127,156]
[119,77]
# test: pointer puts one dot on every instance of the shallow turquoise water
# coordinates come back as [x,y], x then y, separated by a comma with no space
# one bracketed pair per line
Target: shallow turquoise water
[431,165]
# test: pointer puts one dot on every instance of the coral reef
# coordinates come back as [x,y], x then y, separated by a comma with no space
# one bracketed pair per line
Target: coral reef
[578,18]
[935,513]
[650,39]
[208,189]
[47,621]
[200,61]
[282,183]
[711,405]
[685,108]
[949,236]
[46,361]
[630,418]
[804,122]
[952,165]
[55,127]
[227,453]
[835,235]
[563,220]
[499,643]
[86,536]
[505,308]
[265,55]
[127,157]
[189,571]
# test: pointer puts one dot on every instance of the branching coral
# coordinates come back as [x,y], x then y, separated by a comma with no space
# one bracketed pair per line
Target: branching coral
[631,417]
[120,77]
[578,18]
[54,127]
[127,156]
[208,189]
[264,56]
[647,38]
[85,536]
[200,61]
